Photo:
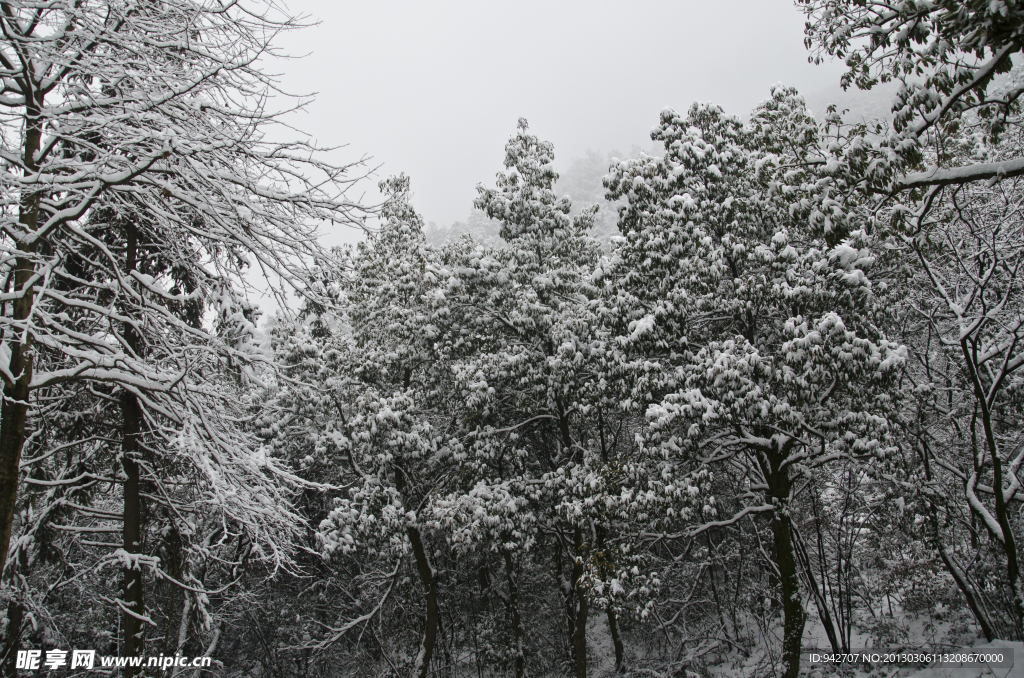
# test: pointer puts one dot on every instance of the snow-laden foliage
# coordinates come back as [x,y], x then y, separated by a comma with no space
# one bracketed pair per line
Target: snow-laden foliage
[947,56]
[781,407]
[140,190]
[774,363]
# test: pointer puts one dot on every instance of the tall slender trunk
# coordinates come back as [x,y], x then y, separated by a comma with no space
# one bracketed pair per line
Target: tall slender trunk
[211,648]
[131,588]
[131,422]
[14,408]
[580,632]
[620,652]
[1002,510]
[483,605]
[714,585]
[793,618]
[426,571]
[613,626]
[1009,542]
[972,602]
[430,591]
[186,616]
[513,606]
[834,637]
[566,600]
[15,614]
[947,557]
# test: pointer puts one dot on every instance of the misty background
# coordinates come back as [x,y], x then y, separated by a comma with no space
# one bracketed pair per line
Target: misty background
[435,89]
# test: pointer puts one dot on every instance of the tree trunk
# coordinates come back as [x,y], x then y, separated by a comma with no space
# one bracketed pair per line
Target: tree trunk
[714,585]
[132,574]
[14,408]
[613,628]
[792,606]
[186,612]
[433,619]
[1008,541]
[834,637]
[793,617]
[15,613]
[580,632]
[566,600]
[513,606]
[131,422]
[430,590]
[12,438]
[947,557]
[211,648]
[961,581]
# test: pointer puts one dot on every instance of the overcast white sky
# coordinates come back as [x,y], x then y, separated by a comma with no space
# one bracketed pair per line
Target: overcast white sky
[434,87]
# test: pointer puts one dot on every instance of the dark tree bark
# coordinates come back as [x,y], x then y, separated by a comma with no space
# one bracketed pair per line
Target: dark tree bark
[430,592]
[131,586]
[969,348]
[131,422]
[15,615]
[1009,543]
[947,557]
[580,632]
[579,619]
[793,615]
[714,585]
[566,598]
[484,582]
[834,638]
[14,410]
[513,606]
[613,628]
[427,578]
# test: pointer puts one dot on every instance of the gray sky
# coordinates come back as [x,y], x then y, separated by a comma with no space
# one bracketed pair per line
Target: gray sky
[434,88]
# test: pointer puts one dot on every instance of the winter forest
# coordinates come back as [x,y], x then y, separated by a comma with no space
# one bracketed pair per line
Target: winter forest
[756,391]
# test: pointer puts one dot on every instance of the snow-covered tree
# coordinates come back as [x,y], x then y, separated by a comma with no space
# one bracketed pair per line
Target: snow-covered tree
[944,170]
[383,414]
[772,357]
[947,56]
[962,248]
[132,127]
[522,362]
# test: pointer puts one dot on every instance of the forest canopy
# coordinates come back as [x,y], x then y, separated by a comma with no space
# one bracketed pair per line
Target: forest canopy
[760,393]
